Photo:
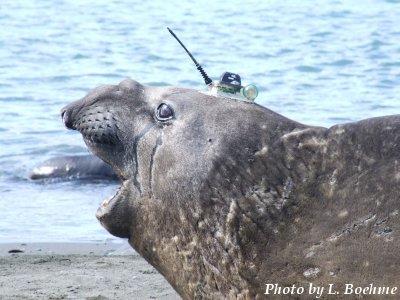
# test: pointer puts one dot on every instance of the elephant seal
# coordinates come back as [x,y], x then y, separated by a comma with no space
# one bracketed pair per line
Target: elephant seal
[78,167]
[224,197]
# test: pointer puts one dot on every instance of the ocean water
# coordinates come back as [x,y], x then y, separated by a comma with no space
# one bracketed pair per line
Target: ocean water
[318,63]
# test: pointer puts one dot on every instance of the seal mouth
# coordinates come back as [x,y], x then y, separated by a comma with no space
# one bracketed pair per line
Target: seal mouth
[109,210]
[107,204]
[113,213]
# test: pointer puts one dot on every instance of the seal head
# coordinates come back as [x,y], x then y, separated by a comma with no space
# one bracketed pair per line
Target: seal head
[173,149]
[158,141]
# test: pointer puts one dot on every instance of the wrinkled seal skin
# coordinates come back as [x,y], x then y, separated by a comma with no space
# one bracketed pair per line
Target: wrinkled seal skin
[75,167]
[229,196]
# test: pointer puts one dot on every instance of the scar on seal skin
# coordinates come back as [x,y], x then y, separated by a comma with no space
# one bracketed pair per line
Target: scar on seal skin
[223,196]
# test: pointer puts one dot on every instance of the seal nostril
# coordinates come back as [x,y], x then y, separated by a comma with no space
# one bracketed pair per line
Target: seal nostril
[66,118]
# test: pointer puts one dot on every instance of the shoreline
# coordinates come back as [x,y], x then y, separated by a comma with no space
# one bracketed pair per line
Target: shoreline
[68,248]
[98,270]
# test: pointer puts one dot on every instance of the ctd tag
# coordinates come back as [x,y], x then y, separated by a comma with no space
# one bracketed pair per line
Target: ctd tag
[229,85]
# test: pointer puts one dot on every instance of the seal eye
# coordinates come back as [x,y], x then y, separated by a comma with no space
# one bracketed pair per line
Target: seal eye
[164,112]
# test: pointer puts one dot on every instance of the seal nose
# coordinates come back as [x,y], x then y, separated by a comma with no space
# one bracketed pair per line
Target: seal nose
[66,118]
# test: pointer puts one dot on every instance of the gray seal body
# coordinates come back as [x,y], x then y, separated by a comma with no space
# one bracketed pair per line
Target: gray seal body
[228,196]
[86,167]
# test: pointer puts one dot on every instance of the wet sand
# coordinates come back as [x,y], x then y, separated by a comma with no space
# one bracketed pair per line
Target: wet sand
[78,271]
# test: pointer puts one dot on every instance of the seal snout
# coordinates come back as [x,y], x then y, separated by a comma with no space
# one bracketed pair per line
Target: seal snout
[96,123]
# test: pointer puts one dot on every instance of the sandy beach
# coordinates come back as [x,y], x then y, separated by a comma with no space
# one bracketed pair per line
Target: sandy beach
[78,271]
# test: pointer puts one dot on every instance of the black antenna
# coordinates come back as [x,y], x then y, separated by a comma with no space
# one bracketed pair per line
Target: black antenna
[207,79]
